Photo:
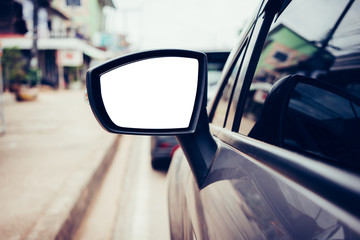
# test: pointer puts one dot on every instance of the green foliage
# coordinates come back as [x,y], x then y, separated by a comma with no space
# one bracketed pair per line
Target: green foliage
[14,65]
[73,73]
[33,77]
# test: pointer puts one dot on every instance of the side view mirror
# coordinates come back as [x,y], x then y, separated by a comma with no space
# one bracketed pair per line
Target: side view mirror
[161,92]
[157,92]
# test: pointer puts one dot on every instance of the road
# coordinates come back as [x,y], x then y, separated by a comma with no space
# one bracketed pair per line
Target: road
[132,202]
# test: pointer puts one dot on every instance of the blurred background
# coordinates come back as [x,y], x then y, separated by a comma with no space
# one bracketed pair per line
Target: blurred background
[53,42]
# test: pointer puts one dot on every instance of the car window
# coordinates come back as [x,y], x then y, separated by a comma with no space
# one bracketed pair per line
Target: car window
[221,110]
[300,43]
[318,45]
[233,106]
[226,107]
[330,131]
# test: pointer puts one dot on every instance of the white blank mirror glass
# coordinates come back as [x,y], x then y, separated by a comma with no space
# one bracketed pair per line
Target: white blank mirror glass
[157,93]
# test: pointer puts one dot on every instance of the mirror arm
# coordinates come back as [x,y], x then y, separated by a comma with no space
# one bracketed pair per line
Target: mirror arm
[199,148]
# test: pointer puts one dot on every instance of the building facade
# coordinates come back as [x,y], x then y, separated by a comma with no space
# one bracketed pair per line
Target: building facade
[64,32]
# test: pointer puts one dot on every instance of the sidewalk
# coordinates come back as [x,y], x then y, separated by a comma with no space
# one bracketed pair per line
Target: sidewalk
[53,157]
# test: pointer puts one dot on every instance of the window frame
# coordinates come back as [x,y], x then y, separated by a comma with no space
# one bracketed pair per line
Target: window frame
[267,13]
[231,63]
[250,70]
[230,101]
[230,66]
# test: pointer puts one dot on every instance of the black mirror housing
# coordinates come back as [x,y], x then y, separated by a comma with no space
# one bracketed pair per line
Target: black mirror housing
[108,119]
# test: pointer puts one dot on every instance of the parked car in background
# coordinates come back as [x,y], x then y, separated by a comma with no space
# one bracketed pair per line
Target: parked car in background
[216,62]
[163,147]
[286,169]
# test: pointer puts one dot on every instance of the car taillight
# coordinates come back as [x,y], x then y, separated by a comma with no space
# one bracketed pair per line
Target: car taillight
[164,145]
[173,150]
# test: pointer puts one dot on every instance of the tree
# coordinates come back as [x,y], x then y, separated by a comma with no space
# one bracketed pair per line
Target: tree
[14,67]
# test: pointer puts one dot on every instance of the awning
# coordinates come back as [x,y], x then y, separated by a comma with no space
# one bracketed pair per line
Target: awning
[55,44]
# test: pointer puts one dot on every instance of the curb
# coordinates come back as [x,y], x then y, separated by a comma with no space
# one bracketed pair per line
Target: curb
[72,223]
[63,218]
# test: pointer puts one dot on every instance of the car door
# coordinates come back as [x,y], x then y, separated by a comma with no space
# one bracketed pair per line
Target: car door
[274,177]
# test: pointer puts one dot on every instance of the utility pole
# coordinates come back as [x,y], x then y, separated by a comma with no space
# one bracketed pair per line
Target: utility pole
[318,55]
[329,36]
[2,117]
[34,62]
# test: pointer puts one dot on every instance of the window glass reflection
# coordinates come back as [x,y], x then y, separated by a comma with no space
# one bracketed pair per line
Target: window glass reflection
[323,44]
[320,122]
[221,109]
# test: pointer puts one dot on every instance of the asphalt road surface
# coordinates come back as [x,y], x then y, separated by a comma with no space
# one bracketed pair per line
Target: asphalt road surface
[132,202]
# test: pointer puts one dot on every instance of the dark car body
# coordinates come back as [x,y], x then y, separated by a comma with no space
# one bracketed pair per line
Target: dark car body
[295,174]
[285,169]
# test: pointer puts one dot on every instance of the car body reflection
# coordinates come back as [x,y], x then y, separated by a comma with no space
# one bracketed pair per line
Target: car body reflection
[258,205]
